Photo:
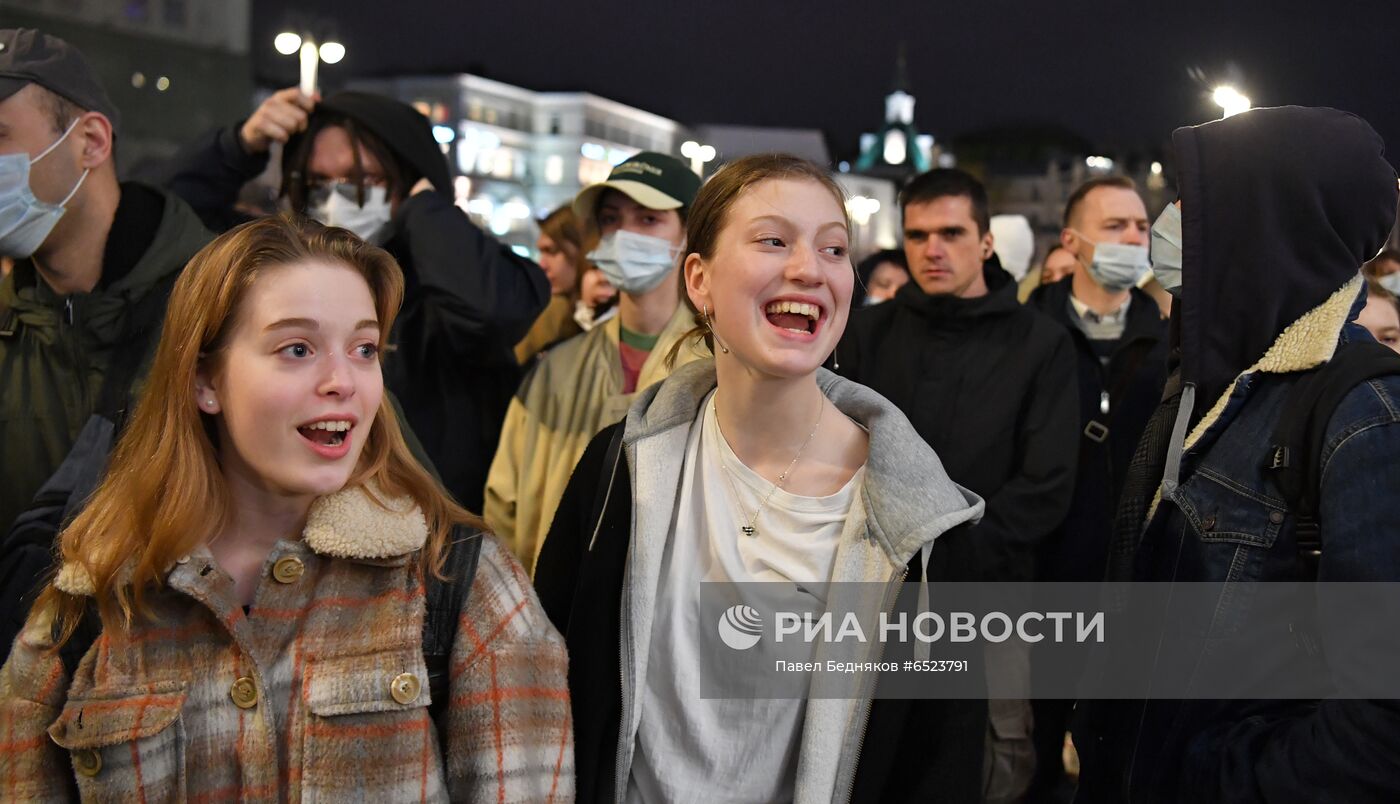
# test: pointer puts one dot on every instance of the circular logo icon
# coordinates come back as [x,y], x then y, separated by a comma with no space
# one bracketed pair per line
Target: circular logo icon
[740,627]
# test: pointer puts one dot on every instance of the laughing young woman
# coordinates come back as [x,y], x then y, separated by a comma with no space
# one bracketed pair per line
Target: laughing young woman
[754,466]
[241,606]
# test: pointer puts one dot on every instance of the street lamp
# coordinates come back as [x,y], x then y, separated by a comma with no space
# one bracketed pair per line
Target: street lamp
[698,155]
[310,55]
[1230,101]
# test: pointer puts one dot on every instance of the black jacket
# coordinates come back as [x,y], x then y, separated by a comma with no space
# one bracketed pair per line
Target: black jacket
[990,386]
[468,299]
[1133,379]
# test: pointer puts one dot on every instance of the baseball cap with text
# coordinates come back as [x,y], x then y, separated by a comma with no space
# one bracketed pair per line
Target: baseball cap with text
[654,180]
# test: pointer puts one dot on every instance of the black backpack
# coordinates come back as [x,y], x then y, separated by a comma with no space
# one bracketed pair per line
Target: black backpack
[1296,447]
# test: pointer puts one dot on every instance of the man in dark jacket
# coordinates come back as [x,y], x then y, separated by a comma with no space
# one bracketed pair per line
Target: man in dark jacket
[95,261]
[370,164]
[989,384]
[1120,343]
[1278,209]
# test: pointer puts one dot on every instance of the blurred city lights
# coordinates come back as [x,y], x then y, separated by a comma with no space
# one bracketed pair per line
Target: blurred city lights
[443,134]
[287,43]
[1099,163]
[698,155]
[332,52]
[862,208]
[1230,100]
[162,83]
[1156,168]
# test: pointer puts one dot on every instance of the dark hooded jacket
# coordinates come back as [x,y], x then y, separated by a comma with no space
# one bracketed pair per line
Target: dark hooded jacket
[70,366]
[990,385]
[468,298]
[1279,208]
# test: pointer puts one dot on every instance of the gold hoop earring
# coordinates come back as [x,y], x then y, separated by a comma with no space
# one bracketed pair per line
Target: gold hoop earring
[705,314]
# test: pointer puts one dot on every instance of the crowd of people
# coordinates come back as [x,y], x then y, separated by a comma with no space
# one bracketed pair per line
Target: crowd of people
[353,501]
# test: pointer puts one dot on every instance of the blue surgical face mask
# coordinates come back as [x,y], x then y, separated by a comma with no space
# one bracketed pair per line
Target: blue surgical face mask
[1166,249]
[1117,266]
[25,221]
[634,263]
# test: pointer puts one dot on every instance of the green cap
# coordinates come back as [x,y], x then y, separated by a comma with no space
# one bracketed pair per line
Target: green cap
[656,181]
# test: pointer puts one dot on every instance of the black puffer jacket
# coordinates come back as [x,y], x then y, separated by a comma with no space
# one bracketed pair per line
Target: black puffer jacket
[468,301]
[990,385]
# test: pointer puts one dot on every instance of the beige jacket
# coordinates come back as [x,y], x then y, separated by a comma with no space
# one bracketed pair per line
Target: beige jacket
[574,391]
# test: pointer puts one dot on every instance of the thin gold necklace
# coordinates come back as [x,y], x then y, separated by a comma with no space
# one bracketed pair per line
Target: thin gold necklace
[751,529]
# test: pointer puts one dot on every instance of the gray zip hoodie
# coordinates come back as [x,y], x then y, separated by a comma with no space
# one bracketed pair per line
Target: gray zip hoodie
[906,501]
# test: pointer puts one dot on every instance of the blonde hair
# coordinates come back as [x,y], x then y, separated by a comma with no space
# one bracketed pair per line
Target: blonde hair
[164,492]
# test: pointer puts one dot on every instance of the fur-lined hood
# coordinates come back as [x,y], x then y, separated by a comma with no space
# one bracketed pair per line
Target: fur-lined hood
[357,523]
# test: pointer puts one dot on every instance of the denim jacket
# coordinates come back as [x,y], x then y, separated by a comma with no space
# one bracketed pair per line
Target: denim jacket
[1227,523]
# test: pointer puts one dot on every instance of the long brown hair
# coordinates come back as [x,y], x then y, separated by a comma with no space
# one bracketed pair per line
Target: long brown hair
[563,228]
[710,211]
[164,492]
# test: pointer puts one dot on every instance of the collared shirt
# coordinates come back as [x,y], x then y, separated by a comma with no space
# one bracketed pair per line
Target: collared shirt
[1099,327]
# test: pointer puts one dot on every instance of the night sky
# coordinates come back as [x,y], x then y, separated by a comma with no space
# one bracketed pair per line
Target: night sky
[1121,76]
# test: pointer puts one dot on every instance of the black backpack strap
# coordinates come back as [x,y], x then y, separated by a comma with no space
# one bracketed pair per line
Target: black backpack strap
[445,599]
[70,653]
[1295,454]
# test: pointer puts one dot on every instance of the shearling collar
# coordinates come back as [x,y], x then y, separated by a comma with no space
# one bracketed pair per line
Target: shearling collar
[1308,342]
[357,523]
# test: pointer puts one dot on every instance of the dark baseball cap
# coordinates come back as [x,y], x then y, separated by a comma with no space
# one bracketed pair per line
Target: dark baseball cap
[28,56]
[656,181]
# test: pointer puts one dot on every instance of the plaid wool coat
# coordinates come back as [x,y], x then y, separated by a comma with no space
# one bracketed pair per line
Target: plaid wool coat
[320,693]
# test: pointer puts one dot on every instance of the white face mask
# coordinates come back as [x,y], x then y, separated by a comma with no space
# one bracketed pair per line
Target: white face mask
[634,263]
[336,204]
[1391,282]
[25,221]
[1166,249]
[1117,266]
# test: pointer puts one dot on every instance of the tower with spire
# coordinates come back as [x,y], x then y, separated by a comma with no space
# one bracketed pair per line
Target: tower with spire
[898,150]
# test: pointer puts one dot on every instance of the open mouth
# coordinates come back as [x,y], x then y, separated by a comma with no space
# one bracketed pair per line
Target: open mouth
[331,433]
[796,317]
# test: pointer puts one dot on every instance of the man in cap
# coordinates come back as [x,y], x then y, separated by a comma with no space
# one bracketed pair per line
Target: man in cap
[1259,692]
[637,217]
[370,164]
[94,262]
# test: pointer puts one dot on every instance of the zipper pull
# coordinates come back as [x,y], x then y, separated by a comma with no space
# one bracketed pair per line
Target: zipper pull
[1103,402]
[68,308]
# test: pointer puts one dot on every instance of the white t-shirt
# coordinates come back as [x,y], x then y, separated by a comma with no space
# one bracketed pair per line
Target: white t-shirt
[691,749]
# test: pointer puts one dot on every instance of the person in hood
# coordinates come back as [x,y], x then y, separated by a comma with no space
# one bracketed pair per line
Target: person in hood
[370,164]
[93,263]
[989,384]
[1120,345]
[762,469]
[1278,209]
[636,219]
